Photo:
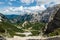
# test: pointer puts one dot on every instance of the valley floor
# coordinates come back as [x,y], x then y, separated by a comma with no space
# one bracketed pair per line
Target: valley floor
[25,38]
[34,38]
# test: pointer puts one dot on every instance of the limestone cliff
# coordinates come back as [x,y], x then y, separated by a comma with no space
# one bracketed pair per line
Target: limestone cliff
[55,23]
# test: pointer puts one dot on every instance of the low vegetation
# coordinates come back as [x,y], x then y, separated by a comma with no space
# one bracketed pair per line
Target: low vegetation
[55,32]
[10,30]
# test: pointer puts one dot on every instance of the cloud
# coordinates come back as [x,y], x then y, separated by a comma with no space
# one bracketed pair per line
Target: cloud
[46,1]
[12,0]
[36,8]
[57,1]
[27,1]
[43,2]
[1,2]
[39,2]
[9,3]
[39,6]
[21,9]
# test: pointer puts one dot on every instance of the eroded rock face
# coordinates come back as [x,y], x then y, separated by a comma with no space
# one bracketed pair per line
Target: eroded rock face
[2,38]
[54,24]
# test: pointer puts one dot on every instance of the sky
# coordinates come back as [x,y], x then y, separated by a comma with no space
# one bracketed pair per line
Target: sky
[21,6]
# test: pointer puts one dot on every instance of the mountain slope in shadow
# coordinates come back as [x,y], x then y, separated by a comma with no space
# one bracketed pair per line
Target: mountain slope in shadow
[54,24]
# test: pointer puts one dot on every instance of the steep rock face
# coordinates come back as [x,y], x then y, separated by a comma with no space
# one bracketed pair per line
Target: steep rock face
[3,18]
[50,11]
[54,24]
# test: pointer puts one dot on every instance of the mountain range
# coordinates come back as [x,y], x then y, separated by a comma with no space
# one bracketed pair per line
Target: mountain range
[32,17]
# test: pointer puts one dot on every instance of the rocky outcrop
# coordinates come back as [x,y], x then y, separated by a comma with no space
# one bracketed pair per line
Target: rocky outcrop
[54,24]
[3,17]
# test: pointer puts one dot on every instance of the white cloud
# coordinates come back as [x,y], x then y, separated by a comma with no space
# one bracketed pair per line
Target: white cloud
[1,2]
[16,9]
[9,3]
[36,8]
[40,2]
[12,0]
[48,3]
[6,10]
[57,1]
[21,9]
[27,1]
